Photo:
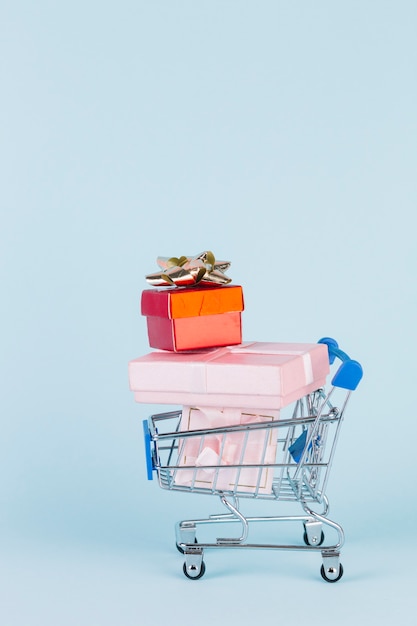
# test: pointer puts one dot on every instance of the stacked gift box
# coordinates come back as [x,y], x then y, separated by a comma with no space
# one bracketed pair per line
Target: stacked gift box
[193,318]
[200,363]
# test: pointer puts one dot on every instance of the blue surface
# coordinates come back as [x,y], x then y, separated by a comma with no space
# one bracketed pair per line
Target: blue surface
[282,136]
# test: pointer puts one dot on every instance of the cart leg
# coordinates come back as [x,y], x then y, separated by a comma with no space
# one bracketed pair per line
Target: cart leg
[316,517]
[239,517]
[194,566]
[187,532]
[332,569]
[313,533]
[187,535]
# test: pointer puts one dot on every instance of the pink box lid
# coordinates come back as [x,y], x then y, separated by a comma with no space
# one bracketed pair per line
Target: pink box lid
[251,375]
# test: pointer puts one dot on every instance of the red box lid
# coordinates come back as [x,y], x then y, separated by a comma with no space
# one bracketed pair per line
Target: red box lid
[181,302]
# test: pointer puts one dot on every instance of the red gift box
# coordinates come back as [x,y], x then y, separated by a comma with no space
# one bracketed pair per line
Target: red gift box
[193,318]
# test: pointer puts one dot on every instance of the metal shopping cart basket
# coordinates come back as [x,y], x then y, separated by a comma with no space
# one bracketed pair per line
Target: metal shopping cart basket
[286,459]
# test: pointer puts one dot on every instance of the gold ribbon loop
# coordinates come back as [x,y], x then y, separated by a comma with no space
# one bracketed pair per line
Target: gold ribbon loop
[202,269]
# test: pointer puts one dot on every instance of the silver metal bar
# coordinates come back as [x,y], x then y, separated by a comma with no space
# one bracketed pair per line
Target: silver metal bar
[242,428]
[238,516]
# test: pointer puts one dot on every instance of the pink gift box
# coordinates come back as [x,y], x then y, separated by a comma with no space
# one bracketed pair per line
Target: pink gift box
[252,447]
[251,375]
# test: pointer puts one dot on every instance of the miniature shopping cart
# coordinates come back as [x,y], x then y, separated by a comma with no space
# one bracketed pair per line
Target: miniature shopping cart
[262,457]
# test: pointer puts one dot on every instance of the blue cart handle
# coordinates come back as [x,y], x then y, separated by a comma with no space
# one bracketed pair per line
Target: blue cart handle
[350,373]
[149,462]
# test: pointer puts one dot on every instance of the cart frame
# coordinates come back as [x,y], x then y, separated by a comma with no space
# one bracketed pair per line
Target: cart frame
[306,444]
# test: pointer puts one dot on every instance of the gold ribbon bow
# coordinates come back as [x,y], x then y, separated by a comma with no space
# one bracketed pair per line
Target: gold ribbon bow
[202,269]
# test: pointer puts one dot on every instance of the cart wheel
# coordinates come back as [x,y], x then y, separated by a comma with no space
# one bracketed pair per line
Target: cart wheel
[306,541]
[331,580]
[189,573]
[180,549]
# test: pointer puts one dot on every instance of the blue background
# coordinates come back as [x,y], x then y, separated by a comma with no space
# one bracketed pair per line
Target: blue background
[282,136]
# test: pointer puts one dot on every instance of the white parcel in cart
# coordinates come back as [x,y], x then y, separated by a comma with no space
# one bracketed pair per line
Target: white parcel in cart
[231,440]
